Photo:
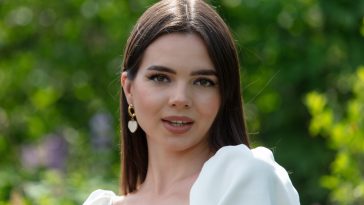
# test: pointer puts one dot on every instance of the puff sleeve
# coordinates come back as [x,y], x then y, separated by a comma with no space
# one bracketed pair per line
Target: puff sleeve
[236,175]
[100,197]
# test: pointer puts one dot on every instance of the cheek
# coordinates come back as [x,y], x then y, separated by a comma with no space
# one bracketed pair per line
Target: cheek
[147,102]
[209,104]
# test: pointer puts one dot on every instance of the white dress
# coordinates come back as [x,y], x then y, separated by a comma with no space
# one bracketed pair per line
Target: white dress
[235,175]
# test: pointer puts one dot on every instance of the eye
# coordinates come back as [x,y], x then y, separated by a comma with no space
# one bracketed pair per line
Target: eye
[205,82]
[159,78]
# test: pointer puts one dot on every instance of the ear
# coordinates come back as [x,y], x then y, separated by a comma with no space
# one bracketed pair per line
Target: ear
[126,84]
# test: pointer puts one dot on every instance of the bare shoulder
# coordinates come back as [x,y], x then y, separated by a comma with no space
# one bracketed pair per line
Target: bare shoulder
[134,198]
[119,200]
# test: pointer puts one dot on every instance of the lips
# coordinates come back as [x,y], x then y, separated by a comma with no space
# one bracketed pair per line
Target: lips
[177,124]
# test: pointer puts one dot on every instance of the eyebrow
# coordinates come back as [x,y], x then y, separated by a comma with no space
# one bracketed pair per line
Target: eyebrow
[169,70]
[161,69]
[204,72]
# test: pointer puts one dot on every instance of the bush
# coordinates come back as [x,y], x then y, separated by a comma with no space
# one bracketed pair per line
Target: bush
[343,125]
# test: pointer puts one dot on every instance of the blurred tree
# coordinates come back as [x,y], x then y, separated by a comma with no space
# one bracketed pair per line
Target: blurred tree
[288,49]
[59,66]
[343,125]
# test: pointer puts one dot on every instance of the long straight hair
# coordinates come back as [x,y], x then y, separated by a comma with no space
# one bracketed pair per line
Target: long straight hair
[183,16]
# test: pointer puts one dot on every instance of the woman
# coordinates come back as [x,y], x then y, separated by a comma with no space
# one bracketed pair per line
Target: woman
[184,136]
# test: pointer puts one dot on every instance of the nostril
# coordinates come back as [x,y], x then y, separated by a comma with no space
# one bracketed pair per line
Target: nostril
[180,105]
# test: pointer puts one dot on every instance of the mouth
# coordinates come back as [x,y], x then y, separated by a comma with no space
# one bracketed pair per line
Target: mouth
[177,124]
[178,120]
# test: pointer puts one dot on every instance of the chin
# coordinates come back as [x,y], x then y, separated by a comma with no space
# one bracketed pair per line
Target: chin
[185,145]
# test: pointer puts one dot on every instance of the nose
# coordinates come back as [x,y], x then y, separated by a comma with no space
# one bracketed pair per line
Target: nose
[179,97]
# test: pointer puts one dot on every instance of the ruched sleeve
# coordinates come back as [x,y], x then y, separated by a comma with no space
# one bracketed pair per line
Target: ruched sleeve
[100,197]
[236,175]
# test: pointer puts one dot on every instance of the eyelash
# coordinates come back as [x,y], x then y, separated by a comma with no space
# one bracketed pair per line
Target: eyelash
[162,78]
[159,78]
[205,82]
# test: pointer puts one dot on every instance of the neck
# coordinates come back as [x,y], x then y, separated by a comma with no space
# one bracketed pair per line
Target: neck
[168,168]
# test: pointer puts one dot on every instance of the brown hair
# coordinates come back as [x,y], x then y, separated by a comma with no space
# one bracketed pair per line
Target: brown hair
[186,16]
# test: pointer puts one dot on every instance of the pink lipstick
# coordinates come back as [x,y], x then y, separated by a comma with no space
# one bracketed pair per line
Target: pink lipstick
[177,124]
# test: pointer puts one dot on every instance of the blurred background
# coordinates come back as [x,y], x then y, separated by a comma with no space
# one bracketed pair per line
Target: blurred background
[302,79]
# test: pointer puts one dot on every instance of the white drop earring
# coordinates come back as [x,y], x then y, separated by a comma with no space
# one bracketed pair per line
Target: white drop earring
[132,123]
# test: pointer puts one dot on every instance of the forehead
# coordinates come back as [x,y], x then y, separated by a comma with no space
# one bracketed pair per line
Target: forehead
[178,50]
[181,40]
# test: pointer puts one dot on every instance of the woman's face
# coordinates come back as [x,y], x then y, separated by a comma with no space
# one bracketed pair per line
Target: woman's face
[175,92]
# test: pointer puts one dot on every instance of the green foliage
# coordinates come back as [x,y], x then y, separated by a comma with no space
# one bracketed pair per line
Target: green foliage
[59,66]
[343,126]
[288,49]
[51,187]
